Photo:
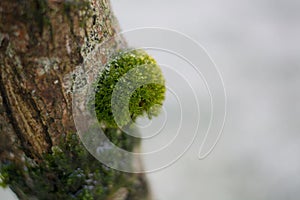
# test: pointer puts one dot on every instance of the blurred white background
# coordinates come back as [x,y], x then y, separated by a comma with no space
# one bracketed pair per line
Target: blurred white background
[256,47]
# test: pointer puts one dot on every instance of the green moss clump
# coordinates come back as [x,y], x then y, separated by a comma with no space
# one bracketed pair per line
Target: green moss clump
[147,99]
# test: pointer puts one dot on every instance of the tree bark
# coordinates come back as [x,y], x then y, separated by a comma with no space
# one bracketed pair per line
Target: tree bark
[41,44]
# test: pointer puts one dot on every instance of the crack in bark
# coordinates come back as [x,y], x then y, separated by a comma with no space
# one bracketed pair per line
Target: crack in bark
[13,121]
[40,121]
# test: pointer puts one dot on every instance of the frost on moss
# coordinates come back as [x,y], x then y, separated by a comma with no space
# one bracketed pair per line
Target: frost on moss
[146,99]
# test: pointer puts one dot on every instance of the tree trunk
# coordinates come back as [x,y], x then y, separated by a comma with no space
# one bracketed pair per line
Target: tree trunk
[41,44]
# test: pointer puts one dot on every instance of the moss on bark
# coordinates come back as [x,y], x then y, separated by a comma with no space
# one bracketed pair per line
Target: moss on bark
[70,172]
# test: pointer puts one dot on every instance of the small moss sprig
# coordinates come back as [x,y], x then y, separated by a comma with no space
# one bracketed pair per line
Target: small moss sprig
[147,99]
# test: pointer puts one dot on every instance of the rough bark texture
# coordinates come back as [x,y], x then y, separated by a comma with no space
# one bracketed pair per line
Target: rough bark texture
[41,43]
